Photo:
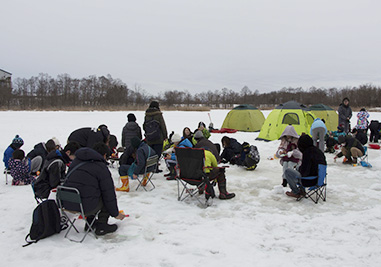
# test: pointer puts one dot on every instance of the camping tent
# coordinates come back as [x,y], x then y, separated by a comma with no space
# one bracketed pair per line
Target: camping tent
[244,118]
[328,114]
[288,113]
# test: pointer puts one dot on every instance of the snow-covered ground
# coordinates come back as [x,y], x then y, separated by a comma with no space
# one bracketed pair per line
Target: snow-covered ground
[261,226]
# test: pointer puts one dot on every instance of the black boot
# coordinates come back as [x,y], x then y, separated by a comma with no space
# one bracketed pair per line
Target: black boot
[223,193]
[172,173]
[284,183]
[104,228]
[89,219]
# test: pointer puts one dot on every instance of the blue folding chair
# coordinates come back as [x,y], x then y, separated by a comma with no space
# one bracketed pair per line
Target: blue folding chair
[364,159]
[317,191]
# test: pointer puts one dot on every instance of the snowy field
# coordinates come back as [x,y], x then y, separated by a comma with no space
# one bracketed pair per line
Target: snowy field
[261,226]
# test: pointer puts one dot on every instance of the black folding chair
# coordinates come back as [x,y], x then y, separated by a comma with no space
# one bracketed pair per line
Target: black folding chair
[191,175]
[319,190]
[71,194]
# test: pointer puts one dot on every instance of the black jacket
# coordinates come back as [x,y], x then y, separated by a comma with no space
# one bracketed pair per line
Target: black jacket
[87,137]
[94,182]
[38,150]
[206,144]
[229,153]
[130,130]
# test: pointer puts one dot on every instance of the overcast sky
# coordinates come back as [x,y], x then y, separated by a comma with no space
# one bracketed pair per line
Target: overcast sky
[196,45]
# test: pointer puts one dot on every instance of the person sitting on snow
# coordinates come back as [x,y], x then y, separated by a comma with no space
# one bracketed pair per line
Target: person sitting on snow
[232,152]
[19,167]
[96,186]
[333,138]
[170,157]
[312,157]
[351,149]
[17,142]
[142,153]
[288,151]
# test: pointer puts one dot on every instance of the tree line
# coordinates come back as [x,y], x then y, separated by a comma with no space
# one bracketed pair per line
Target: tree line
[105,92]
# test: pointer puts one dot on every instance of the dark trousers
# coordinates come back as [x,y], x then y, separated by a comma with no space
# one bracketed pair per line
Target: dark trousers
[103,215]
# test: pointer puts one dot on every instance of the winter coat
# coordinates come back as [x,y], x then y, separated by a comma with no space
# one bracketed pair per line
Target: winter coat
[318,123]
[231,152]
[352,142]
[362,120]
[344,113]
[289,146]
[54,168]
[155,114]
[208,145]
[184,143]
[38,150]
[143,152]
[210,161]
[20,171]
[88,137]
[362,137]
[374,126]
[8,154]
[312,157]
[94,182]
[130,130]
[336,134]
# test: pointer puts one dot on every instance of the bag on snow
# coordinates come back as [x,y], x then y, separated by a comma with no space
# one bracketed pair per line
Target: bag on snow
[46,221]
[152,130]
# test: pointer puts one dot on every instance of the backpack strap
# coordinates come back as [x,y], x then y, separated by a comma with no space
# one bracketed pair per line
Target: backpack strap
[76,167]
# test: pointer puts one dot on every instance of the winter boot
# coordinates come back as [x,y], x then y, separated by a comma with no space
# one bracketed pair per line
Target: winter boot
[145,179]
[125,184]
[104,228]
[223,193]
[284,183]
[172,173]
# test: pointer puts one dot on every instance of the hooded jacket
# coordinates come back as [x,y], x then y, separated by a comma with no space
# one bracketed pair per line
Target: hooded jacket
[318,123]
[208,145]
[94,182]
[154,113]
[88,137]
[38,150]
[287,146]
[312,157]
[130,130]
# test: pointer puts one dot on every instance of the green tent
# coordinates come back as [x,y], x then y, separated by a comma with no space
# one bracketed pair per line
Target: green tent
[291,112]
[328,114]
[244,118]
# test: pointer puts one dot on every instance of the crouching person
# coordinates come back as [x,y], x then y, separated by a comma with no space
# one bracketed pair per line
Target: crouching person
[95,184]
[215,173]
[312,157]
[351,149]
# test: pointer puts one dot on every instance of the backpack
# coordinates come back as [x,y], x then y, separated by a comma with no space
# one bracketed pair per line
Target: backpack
[252,158]
[46,221]
[152,130]
[41,186]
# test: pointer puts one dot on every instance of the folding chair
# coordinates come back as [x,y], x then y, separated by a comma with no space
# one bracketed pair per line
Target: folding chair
[190,174]
[6,173]
[149,170]
[71,194]
[317,191]
[364,159]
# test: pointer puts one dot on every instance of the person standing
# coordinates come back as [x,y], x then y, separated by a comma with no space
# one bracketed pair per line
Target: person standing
[318,132]
[155,128]
[345,114]
[130,130]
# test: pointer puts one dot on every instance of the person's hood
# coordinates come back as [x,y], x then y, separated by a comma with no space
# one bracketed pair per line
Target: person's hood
[88,154]
[55,154]
[290,130]
[317,119]
[131,126]
[305,141]
[153,111]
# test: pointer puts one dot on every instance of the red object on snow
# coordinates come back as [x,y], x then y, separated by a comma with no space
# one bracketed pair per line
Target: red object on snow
[374,146]
[224,130]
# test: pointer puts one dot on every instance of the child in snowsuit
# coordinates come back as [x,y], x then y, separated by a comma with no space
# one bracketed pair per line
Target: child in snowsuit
[17,142]
[288,152]
[20,168]
[362,120]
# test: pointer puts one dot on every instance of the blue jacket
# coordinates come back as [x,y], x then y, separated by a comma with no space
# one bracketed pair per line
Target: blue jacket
[7,155]
[184,143]
[318,123]
[143,152]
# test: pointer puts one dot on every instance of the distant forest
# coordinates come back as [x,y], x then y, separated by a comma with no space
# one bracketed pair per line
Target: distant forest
[45,92]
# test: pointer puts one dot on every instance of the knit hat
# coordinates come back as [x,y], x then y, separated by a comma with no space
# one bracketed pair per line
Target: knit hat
[198,135]
[341,139]
[56,142]
[131,117]
[135,142]
[176,138]
[17,141]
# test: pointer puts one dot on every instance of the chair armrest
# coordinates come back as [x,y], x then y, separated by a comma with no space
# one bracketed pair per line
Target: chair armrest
[308,177]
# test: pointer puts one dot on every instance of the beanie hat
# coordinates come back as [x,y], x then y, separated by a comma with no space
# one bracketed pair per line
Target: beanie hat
[198,135]
[135,142]
[201,124]
[56,142]
[131,117]
[176,138]
[17,141]
[341,139]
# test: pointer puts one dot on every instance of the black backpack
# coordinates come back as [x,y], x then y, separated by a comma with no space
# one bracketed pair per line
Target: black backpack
[152,130]
[46,221]
[45,183]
